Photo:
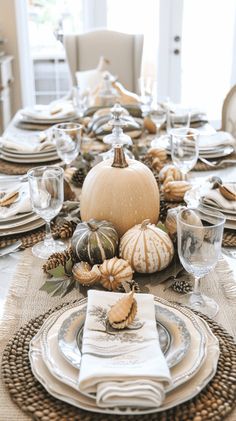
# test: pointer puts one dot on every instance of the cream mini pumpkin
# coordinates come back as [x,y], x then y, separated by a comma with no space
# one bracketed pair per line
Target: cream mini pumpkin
[147,248]
[122,192]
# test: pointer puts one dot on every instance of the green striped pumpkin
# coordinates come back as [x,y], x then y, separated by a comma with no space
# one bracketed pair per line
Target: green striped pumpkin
[95,241]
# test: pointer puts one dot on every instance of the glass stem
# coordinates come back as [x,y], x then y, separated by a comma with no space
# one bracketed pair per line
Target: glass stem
[196,296]
[48,238]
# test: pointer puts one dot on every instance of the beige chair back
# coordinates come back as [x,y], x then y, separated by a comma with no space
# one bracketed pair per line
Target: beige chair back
[124,52]
[229,112]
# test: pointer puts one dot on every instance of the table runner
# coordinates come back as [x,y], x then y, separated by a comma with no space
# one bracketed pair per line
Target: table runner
[25,301]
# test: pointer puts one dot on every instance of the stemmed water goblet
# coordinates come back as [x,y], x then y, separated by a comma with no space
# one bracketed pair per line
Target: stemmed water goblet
[67,137]
[199,235]
[147,86]
[46,185]
[184,148]
[178,119]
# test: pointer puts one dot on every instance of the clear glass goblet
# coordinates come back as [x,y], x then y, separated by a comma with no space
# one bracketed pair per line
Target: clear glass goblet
[80,101]
[199,247]
[67,137]
[179,119]
[158,116]
[147,87]
[184,148]
[46,185]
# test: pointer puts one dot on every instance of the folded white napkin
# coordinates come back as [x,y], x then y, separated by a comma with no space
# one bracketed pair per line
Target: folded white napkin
[26,144]
[127,368]
[22,205]
[216,139]
[49,112]
[215,198]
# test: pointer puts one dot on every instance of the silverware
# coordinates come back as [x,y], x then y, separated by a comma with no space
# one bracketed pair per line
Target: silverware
[19,178]
[230,252]
[10,249]
[216,164]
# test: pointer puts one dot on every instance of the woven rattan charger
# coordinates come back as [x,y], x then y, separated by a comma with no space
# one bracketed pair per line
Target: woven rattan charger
[214,402]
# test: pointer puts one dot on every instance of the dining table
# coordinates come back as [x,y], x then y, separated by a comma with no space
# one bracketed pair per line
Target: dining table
[22,300]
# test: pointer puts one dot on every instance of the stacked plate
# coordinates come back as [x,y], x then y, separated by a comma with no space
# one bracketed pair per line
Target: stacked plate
[13,222]
[190,349]
[11,155]
[211,145]
[28,149]
[203,196]
[48,114]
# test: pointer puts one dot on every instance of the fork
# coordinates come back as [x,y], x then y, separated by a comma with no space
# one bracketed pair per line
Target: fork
[216,164]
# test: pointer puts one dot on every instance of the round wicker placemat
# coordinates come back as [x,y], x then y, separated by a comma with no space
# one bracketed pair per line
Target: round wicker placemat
[13,168]
[214,403]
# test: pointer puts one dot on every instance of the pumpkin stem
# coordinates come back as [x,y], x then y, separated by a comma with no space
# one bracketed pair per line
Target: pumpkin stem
[145,224]
[119,157]
[92,226]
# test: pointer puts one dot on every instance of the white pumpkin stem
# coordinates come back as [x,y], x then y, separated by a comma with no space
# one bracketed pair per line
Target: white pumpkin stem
[145,224]
[119,157]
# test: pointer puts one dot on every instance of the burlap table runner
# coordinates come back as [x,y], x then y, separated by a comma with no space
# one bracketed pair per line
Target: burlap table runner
[25,301]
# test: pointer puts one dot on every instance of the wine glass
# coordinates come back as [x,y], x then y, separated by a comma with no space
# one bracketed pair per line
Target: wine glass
[67,137]
[46,185]
[184,148]
[178,119]
[199,247]
[147,87]
[80,102]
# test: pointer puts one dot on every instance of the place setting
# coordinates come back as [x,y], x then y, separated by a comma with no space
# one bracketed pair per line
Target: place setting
[16,214]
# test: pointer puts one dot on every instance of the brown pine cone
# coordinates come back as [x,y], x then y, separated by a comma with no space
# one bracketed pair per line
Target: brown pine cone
[78,177]
[67,229]
[57,259]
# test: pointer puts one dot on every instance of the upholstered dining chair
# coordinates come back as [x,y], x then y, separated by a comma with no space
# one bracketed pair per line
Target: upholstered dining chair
[123,51]
[229,112]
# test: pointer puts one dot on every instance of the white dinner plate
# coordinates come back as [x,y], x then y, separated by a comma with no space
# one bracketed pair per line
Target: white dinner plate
[190,388]
[20,223]
[174,337]
[23,228]
[15,218]
[30,160]
[16,154]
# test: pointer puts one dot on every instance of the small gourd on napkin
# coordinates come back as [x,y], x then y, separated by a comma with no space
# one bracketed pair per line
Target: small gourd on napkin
[21,204]
[122,367]
[216,197]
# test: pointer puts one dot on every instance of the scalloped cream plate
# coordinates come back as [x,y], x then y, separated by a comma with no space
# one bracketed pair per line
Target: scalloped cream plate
[194,379]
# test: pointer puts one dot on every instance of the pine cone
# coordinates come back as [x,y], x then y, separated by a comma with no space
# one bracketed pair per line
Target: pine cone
[57,259]
[182,286]
[78,176]
[67,229]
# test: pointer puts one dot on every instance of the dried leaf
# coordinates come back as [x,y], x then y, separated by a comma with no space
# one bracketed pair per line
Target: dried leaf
[59,287]
[162,227]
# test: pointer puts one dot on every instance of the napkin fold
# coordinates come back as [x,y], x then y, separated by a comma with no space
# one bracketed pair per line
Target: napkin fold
[49,112]
[22,205]
[216,139]
[127,368]
[26,144]
[215,198]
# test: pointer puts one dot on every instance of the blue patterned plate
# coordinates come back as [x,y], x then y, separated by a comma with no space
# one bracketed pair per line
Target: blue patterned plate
[174,336]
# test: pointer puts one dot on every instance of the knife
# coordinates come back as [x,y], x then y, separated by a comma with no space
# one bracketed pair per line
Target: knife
[10,249]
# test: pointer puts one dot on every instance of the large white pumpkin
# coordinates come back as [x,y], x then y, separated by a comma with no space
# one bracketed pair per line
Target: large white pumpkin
[119,191]
[147,248]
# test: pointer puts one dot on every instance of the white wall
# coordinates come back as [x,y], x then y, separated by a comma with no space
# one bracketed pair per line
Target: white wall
[13,27]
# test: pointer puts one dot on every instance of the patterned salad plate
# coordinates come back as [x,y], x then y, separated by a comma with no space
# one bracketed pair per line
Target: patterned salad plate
[173,335]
